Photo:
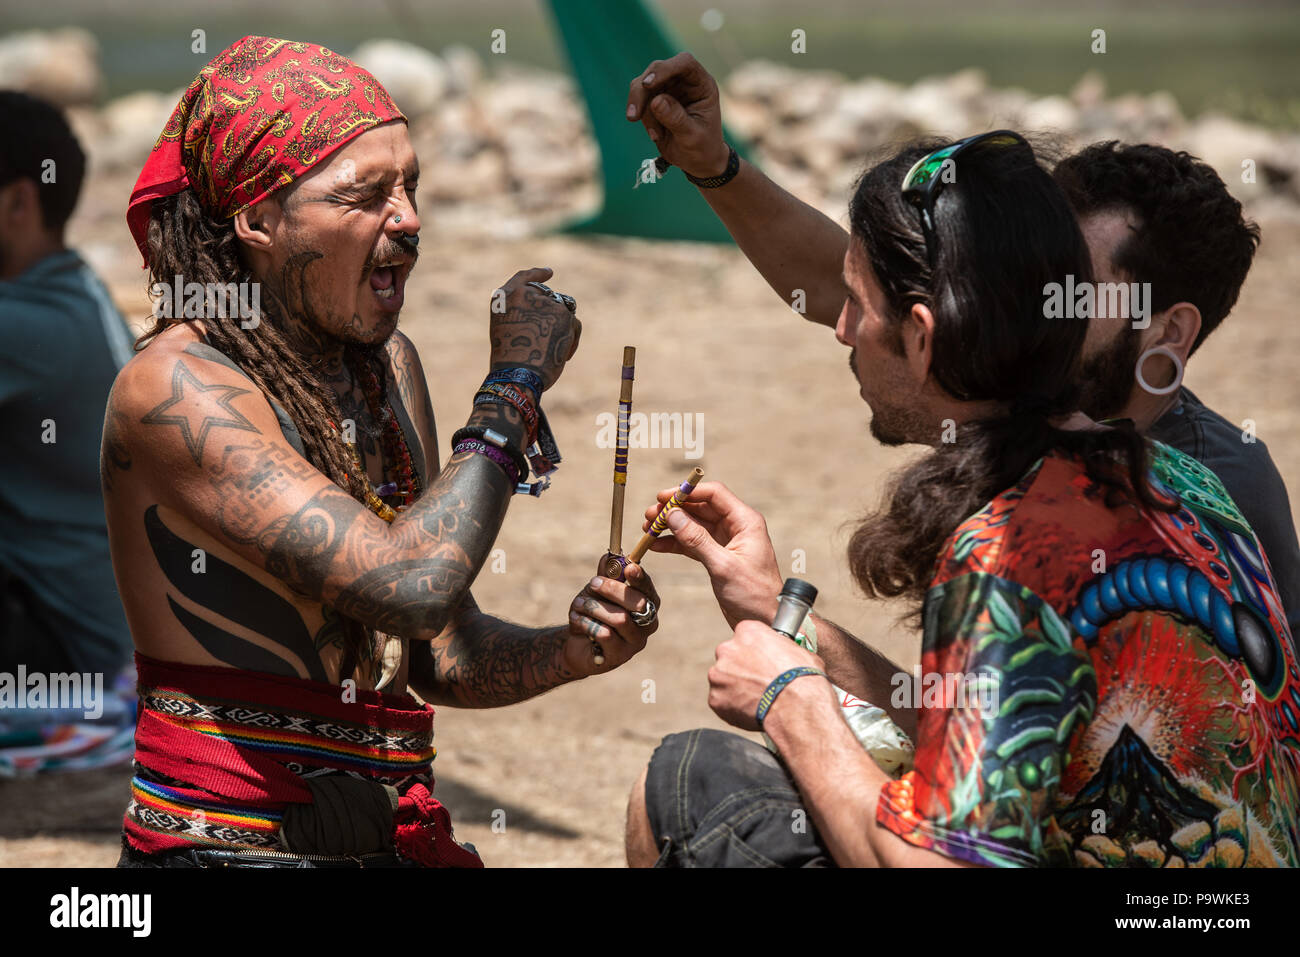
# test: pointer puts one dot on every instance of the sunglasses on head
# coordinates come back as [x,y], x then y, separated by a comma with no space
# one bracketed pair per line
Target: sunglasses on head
[926,179]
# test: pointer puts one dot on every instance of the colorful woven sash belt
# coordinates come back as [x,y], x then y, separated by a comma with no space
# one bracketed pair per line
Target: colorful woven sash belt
[221,753]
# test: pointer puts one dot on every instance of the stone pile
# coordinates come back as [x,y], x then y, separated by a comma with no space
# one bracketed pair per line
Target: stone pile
[511,152]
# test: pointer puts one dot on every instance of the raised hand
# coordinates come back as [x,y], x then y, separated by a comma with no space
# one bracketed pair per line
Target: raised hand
[677,102]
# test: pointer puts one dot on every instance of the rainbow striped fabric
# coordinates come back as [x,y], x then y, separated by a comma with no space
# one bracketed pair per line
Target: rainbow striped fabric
[220,753]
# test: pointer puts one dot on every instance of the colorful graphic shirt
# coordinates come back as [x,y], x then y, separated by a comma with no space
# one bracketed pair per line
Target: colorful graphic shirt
[1105,685]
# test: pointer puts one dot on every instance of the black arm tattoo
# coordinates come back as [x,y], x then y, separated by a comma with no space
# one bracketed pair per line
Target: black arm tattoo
[484,662]
[404,579]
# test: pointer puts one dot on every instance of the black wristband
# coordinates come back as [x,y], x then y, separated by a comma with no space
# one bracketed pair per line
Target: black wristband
[727,175]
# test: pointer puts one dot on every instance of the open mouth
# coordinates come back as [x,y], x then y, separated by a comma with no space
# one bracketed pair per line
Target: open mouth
[388,283]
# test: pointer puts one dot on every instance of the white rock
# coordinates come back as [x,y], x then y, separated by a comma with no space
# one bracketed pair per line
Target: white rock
[540,99]
[968,84]
[1090,91]
[869,101]
[1050,113]
[930,106]
[750,120]
[132,124]
[814,93]
[1226,143]
[416,79]
[762,80]
[1163,115]
[60,66]
[464,69]
[475,179]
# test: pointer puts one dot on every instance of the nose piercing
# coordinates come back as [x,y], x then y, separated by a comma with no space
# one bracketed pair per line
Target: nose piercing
[397,218]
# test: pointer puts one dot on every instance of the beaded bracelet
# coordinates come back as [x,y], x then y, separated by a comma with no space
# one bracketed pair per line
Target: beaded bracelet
[491,452]
[519,375]
[778,685]
[722,179]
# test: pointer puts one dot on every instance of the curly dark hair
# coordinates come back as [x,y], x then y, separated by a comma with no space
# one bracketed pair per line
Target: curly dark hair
[1004,230]
[184,239]
[1191,242]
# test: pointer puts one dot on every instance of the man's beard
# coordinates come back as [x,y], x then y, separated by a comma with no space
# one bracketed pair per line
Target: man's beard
[1108,377]
[891,425]
[309,323]
[896,426]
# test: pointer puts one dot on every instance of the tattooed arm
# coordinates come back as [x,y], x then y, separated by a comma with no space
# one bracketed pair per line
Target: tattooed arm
[481,661]
[211,448]
[484,662]
[413,391]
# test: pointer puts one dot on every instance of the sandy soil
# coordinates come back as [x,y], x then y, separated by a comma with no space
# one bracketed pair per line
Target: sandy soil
[783,426]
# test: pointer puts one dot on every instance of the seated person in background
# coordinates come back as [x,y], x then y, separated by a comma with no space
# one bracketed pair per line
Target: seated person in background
[61,343]
[1152,215]
[1149,215]
[1092,604]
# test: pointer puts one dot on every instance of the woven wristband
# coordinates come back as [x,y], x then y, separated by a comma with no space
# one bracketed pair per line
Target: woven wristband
[515,396]
[512,395]
[727,175]
[480,434]
[520,375]
[491,452]
[778,685]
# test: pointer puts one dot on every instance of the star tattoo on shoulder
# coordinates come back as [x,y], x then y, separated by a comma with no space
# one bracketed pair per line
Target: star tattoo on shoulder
[188,409]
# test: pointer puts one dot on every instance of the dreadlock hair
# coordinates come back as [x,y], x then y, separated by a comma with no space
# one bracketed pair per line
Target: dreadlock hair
[184,240]
[1004,231]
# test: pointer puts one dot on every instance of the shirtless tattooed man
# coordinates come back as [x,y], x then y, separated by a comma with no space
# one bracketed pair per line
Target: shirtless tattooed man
[278,511]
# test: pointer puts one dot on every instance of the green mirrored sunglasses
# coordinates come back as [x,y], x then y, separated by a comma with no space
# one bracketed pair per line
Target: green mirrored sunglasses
[926,179]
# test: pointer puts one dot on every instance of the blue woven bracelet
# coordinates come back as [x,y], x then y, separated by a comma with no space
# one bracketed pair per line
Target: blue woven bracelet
[518,375]
[778,685]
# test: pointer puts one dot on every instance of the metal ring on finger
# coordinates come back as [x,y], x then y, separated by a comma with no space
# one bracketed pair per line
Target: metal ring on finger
[643,619]
[568,302]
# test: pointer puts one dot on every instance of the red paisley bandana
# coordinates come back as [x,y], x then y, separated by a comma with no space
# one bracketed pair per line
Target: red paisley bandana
[261,114]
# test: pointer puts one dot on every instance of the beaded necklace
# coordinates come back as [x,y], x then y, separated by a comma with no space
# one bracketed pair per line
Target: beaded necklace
[406,485]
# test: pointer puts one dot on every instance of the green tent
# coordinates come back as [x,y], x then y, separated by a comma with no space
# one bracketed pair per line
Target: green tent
[608,43]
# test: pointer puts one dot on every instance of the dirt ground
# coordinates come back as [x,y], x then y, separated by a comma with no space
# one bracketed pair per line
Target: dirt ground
[783,426]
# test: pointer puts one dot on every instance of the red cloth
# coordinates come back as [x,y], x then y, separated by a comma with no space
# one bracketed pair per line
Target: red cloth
[261,114]
[208,767]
